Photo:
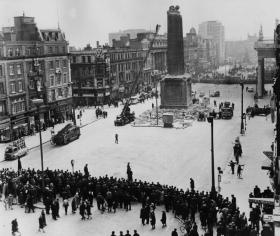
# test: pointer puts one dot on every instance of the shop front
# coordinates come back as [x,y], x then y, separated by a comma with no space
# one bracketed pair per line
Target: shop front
[61,111]
[19,126]
[5,130]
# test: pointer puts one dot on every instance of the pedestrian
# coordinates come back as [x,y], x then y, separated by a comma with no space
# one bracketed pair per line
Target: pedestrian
[174,233]
[153,106]
[14,226]
[232,165]
[74,205]
[44,217]
[88,209]
[41,224]
[86,170]
[192,184]
[163,219]
[153,220]
[65,205]
[116,138]
[142,215]
[127,233]
[239,170]
[82,210]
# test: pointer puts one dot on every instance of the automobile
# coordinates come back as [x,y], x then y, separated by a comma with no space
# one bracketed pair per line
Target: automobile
[134,100]
[250,90]
[125,119]
[68,134]
[14,152]
[215,94]
[226,112]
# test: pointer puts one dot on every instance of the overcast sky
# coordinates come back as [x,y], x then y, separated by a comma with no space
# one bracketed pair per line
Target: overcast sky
[86,21]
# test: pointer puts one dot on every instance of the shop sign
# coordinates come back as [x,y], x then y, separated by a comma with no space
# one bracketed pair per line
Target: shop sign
[100,95]
[268,218]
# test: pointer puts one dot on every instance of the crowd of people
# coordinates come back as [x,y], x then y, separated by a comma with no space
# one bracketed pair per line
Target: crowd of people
[112,194]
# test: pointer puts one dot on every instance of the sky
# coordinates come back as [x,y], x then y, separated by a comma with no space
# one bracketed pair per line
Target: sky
[88,21]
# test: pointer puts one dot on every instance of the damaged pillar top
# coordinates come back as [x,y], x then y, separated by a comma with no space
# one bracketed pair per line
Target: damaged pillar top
[175,43]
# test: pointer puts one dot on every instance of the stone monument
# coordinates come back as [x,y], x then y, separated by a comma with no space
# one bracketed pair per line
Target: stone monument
[175,87]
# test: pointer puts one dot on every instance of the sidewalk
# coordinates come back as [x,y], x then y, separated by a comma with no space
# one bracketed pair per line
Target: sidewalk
[258,138]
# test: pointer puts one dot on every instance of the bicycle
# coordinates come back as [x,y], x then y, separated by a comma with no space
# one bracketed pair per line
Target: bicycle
[186,225]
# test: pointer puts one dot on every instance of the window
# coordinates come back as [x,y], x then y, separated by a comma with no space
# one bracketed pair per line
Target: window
[74,59]
[57,64]
[58,79]
[59,92]
[18,69]
[63,49]
[20,88]
[2,88]
[89,59]
[64,78]
[51,80]
[17,52]
[53,95]
[10,52]
[1,70]
[66,92]
[56,50]
[50,50]
[51,66]
[64,63]
[11,68]
[12,88]
[27,51]
[18,106]
[31,84]
[84,59]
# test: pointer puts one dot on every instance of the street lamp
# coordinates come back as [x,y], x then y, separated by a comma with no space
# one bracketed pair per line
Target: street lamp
[242,123]
[210,119]
[38,102]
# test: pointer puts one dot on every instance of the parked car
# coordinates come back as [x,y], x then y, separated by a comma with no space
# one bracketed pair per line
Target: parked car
[215,94]
[14,152]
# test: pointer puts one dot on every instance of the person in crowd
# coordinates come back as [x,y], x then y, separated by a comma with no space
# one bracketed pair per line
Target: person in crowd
[127,233]
[41,224]
[232,166]
[135,233]
[86,170]
[65,205]
[174,233]
[153,220]
[163,219]
[192,184]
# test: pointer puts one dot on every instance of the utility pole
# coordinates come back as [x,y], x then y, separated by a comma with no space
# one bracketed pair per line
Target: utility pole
[242,123]
[156,100]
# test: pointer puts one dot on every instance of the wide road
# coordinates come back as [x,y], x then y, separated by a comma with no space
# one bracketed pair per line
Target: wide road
[169,156]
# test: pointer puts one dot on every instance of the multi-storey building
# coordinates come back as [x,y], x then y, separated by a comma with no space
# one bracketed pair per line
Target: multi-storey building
[155,65]
[90,70]
[216,31]
[34,65]
[199,53]
[131,32]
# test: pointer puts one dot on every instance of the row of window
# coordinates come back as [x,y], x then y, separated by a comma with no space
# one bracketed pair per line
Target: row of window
[58,93]
[16,87]
[125,55]
[57,63]
[15,69]
[58,80]
[56,49]
[18,106]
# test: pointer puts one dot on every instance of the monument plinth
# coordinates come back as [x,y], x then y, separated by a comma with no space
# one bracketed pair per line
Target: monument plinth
[176,85]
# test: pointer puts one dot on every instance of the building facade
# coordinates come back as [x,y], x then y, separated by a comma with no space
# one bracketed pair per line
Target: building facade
[242,51]
[90,70]
[131,32]
[199,53]
[214,30]
[35,64]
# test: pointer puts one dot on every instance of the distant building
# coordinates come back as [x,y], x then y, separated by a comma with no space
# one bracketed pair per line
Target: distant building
[242,51]
[90,70]
[131,32]
[216,31]
[34,64]
[199,53]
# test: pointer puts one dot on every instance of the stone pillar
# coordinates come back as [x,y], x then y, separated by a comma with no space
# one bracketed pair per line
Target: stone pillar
[260,79]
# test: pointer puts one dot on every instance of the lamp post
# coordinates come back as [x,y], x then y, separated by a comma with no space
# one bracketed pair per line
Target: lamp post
[210,119]
[242,123]
[156,99]
[37,103]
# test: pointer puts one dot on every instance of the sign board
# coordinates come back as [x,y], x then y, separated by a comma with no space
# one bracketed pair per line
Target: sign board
[268,218]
